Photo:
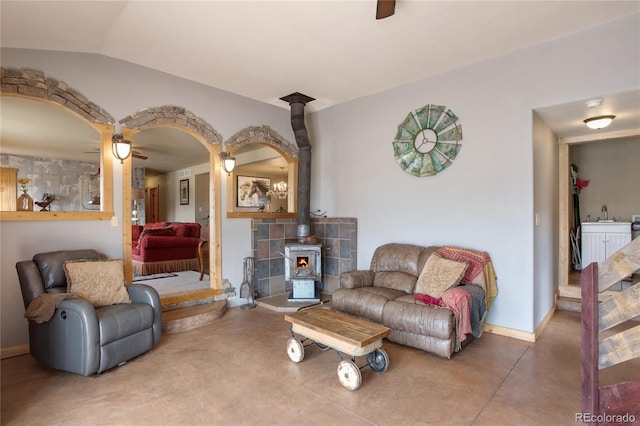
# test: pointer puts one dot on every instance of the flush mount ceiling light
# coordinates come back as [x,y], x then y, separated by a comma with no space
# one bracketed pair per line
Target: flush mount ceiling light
[599,122]
[228,162]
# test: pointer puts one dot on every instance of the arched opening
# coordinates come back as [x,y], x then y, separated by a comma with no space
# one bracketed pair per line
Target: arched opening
[169,120]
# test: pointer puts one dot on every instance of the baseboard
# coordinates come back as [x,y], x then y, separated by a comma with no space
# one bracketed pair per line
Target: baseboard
[545,321]
[510,332]
[519,334]
[14,351]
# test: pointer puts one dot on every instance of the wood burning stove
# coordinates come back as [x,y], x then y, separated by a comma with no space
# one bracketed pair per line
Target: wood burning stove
[303,269]
[303,266]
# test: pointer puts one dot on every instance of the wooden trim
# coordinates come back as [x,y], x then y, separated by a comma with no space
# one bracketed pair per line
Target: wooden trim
[510,332]
[106,212]
[545,321]
[215,217]
[14,351]
[564,196]
[601,136]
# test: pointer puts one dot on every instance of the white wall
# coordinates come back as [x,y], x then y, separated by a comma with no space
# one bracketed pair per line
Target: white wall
[485,200]
[546,206]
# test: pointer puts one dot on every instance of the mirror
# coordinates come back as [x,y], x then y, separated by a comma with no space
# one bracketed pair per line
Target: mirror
[256,186]
[56,158]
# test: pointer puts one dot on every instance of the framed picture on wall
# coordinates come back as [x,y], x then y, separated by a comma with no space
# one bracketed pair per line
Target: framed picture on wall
[184,192]
[252,191]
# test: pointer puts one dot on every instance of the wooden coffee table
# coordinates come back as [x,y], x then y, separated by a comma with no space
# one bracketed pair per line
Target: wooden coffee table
[344,334]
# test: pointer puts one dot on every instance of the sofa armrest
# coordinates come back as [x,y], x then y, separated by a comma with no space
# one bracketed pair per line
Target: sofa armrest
[70,340]
[142,293]
[356,279]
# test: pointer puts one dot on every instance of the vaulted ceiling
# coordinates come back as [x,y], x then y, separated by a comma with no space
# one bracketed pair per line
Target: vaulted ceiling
[332,50]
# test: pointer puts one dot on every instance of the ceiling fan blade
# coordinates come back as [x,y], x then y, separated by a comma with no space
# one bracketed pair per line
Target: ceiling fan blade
[136,154]
[385,8]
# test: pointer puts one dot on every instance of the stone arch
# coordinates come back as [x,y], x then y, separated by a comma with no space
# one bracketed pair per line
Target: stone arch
[172,115]
[35,84]
[262,134]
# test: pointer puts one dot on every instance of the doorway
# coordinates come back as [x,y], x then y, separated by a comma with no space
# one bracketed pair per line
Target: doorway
[152,204]
[568,277]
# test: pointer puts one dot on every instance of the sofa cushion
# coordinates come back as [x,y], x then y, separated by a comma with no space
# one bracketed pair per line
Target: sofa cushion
[180,229]
[365,302]
[438,275]
[397,257]
[99,282]
[400,281]
[419,319]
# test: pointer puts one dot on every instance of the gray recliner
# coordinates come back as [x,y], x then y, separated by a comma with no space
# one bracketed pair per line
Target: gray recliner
[80,338]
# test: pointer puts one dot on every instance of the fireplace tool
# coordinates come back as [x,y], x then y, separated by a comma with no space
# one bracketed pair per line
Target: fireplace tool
[247,288]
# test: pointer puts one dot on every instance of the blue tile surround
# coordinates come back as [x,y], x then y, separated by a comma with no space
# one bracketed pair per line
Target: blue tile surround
[338,236]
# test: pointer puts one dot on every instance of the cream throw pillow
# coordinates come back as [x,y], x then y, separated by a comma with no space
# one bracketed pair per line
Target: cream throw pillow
[99,282]
[439,274]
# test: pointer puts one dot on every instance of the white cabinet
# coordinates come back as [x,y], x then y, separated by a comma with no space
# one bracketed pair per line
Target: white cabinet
[601,240]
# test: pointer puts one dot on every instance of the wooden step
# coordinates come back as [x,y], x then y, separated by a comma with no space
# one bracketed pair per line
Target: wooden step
[183,319]
[569,304]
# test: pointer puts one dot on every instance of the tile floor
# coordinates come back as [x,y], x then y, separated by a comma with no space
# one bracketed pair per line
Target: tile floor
[236,372]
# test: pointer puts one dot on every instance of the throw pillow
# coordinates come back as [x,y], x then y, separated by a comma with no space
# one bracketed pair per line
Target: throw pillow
[162,232]
[438,275]
[100,282]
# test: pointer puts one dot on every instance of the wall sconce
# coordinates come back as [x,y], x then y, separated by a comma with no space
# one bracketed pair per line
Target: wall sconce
[599,122]
[228,162]
[120,147]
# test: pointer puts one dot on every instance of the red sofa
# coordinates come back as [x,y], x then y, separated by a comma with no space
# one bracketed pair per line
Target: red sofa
[165,247]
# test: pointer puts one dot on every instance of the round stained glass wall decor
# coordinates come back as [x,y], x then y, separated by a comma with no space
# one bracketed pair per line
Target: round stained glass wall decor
[428,140]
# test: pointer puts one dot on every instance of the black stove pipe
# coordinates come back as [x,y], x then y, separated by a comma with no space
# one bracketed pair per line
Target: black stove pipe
[297,102]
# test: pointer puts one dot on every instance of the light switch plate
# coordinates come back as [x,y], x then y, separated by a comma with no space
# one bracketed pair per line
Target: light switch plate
[114,221]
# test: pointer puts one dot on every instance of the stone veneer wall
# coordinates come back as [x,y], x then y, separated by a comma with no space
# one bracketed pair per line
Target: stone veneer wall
[36,84]
[338,236]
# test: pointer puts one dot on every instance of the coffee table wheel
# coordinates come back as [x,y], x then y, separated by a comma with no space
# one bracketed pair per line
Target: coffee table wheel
[378,360]
[349,375]
[295,350]
[322,347]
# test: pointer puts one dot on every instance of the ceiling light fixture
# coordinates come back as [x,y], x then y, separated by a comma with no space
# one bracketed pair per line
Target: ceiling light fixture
[280,188]
[120,147]
[599,122]
[228,162]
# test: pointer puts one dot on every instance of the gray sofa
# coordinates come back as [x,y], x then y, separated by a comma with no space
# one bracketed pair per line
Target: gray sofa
[384,294]
[80,338]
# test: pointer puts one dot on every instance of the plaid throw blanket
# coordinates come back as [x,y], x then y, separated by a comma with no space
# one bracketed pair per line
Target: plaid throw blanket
[481,272]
